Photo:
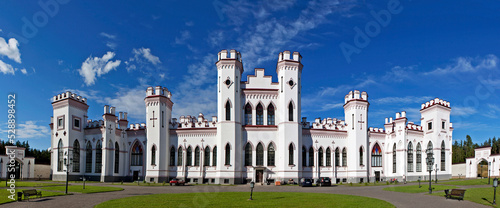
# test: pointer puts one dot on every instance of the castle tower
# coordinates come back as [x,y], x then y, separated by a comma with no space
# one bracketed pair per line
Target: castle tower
[108,141]
[288,114]
[229,107]
[69,118]
[158,115]
[356,117]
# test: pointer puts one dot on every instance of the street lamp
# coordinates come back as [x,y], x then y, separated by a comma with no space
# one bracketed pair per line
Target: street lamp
[489,169]
[252,184]
[436,169]
[430,163]
[67,163]
[419,186]
[495,184]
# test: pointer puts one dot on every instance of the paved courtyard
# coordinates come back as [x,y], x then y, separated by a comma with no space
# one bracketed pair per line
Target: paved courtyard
[90,200]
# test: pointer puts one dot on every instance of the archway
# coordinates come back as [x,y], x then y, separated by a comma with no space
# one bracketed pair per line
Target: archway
[482,169]
[16,171]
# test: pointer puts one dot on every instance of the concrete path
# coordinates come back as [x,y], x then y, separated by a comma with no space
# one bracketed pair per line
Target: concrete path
[90,200]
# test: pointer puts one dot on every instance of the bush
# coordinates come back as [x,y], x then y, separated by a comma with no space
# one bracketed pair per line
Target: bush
[366,184]
[164,183]
[387,182]
[350,183]
[121,183]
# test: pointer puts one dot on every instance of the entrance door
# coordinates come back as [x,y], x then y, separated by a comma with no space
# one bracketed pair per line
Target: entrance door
[259,175]
[136,175]
[16,171]
[377,175]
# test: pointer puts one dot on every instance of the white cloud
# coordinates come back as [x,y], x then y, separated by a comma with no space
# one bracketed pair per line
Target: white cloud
[399,73]
[95,67]
[30,130]
[106,35]
[185,35]
[462,111]
[24,71]
[467,64]
[6,68]
[146,53]
[10,49]
[401,100]
[189,23]
[111,45]
[330,106]
[130,100]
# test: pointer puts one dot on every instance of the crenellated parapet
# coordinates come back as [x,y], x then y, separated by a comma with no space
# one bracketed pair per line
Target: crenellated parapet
[233,54]
[137,126]
[327,123]
[94,123]
[356,95]
[434,102]
[158,91]
[69,95]
[376,130]
[185,122]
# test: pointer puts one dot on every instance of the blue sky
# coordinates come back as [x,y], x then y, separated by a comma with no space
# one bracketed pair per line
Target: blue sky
[408,53]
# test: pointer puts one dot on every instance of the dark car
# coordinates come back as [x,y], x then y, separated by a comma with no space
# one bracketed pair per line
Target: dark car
[325,181]
[177,182]
[306,182]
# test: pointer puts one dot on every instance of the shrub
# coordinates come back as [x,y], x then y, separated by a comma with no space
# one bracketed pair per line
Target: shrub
[350,183]
[366,184]
[121,183]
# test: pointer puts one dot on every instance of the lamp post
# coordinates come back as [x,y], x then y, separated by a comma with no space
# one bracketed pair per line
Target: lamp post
[436,169]
[67,163]
[430,163]
[252,184]
[495,184]
[489,169]
[419,186]
[481,170]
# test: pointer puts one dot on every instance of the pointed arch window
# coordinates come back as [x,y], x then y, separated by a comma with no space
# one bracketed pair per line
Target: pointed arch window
[304,158]
[228,155]
[337,157]
[76,156]
[409,157]
[290,111]
[320,156]
[248,155]
[197,156]
[60,156]
[394,158]
[214,156]
[136,155]
[189,157]
[179,156]
[443,157]
[172,156]
[259,115]
[290,154]
[260,155]
[328,157]
[117,158]
[248,114]
[344,157]
[153,155]
[270,155]
[419,157]
[98,157]
[206,160]
[376,156]
[88,158]
[361,156]
[270,115]
[311,156]
[228,111]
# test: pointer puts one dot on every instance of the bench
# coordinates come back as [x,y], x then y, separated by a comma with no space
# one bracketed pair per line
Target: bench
[31,192]
[455,193]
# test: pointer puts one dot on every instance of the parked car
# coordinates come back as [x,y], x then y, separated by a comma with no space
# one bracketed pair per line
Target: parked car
[177,182]
[325,181]
[306,182]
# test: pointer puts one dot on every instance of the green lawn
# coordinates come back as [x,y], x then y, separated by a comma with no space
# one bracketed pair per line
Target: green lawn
[31,184]
[87,190]
[478,195]
[4,194]
[240,199]
[469,182]
[416,189]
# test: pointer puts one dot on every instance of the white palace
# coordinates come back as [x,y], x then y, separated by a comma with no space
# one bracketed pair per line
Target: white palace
[257,135]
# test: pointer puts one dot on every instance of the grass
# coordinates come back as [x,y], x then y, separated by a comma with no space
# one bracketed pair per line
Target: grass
[478,195]
[31,184]
[87,190]
[4,194]
[240,199]
[416,189]
[469,182]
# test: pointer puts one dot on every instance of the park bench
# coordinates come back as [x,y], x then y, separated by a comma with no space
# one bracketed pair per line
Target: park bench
[31,192]
[455,193]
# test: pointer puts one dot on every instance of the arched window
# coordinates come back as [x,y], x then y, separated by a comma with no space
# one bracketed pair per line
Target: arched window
[179,156]
[228,155]
[394,158]
[328,157]
[290,111]
[172,156]
[304,158]
[228,111]
[117,158]
[189,157]
[337,157]
[429,145]
[153,155]
[214,156]
[419,158]
[311,156]
[248,155]
[260,155]
[344,157]
[320,156]
[136,154]
[88,158]
[248,114]
[98,157]
[290,154]
[270,155]
[60,156]
[206,161]
[270,114]
[76,156]
[260,115]
[443,157]
[197,156]
[376,156]
[361,156]
[409,165]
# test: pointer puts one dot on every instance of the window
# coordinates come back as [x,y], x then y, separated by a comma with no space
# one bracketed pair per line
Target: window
[328,157]
[98,157]
[429,126]
[304,159]
[409,165]
[179,156]
[60,122]
[361,156]
[344,157]
[260,115]
[419,158]
[88,158]
[270,155]
[117,158]
[320,156]
[189,157]
[376,156]
[228,111]
[172,156]
[76,123]
[290,154]
[206,161]
[443,157]
[290,111]
[248,114]
[352,121]
[248,155]
[60,156]
[76,156]
[311,156]
[443,125]
[136,154]
[214,156]
[228,155]
[394,158]
[337,157]
[260,155]
[270,114]
[153,155]
[197,156]
[162,119]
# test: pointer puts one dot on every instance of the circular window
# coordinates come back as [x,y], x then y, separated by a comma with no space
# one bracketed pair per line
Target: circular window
[227,82]
[290,82]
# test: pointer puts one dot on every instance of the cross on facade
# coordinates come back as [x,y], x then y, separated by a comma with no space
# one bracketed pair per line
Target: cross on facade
[153,119]
[110,129]
[361,122]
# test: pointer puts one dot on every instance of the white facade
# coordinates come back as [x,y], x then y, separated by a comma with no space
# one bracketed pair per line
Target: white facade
[258,134]
[491,163]
[15,164]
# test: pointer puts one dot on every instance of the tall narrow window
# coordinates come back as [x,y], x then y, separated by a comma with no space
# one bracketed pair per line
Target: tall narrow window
[352,122]
[162,119]
[153,155]
[320,156]
[88,158]
[189,157]
[206,161]
[179,156]
[361,159]
[337,157]
[197,156]
[260,155]
[311,156]
[260,115]
[419,158]
[376,156]
[344,157]
[304,158]
[270,114]
[214,156]
[98,157]
[248,155]
[290,111]
[270,155]
[136,154]
[172,156]
[409,165]
[228,155]
[394,158]
[443,157]
[60,156]
[117,158]
[228,111]
[248,114]
[328,157]
[290,155]
[76,156]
